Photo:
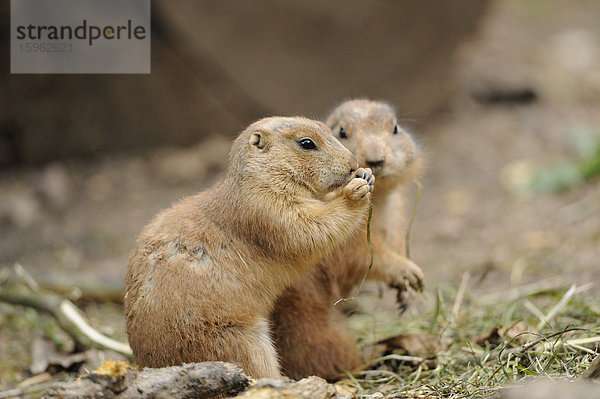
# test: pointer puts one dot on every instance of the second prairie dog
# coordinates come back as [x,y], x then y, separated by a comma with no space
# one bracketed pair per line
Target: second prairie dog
[310,335]
[372,134]
[206,272]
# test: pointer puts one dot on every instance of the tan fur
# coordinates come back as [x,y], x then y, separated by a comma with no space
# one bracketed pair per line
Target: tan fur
[310,335]
[204,276]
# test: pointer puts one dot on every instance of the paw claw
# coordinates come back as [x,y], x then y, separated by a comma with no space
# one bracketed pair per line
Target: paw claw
[410,278]
[361,185]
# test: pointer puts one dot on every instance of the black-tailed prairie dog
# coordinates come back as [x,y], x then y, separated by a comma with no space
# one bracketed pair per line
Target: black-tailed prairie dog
[206,271]
[310,335]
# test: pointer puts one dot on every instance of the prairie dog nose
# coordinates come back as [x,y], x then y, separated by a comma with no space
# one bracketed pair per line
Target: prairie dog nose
[375,164]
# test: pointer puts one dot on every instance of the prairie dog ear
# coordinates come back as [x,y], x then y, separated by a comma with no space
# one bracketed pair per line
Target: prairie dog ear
[257,140]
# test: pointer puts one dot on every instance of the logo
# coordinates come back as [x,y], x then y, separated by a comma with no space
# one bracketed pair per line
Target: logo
[82,32]
[80,36]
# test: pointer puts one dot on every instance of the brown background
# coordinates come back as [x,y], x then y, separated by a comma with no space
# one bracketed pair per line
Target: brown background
[218,65]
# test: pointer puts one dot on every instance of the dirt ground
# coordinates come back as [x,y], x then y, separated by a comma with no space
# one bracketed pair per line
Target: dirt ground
[73,223]
[471,218]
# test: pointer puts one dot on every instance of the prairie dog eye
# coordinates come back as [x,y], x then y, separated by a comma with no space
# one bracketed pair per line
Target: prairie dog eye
[395,129]
[307,144]
[343,133]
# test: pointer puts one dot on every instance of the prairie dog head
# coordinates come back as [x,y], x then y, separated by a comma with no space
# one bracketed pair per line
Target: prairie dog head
[293,154]
[370,130]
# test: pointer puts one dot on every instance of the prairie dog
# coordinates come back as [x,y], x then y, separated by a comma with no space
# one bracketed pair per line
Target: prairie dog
[370,130]
[206,272]
[311,336]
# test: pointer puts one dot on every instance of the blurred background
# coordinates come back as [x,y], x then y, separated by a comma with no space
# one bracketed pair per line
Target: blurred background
[504,96]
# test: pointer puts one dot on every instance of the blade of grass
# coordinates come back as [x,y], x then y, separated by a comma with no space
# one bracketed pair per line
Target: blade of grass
[558,307]
[413,215]
[370,263]
[460,294]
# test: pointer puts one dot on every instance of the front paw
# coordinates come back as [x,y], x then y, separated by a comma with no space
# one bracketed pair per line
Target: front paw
[360,187]
[409,277]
